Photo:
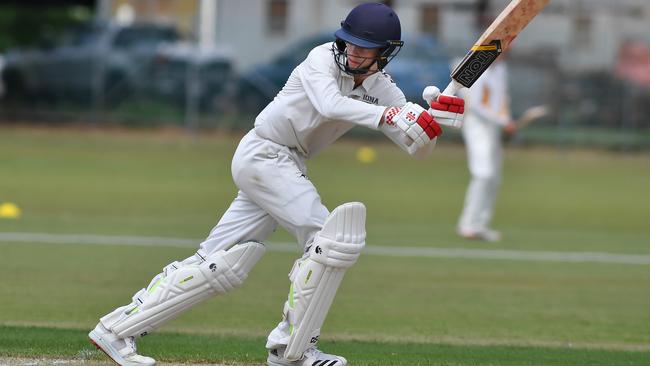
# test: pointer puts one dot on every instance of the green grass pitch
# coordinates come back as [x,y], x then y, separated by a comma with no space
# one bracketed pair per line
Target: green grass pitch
[389,311]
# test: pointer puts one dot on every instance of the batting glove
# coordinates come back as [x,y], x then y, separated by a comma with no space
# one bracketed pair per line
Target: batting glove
[415,122]
[447,110]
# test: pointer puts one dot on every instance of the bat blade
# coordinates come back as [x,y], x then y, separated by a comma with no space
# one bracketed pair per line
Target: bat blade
[531,115]
[512,20]
[496,39]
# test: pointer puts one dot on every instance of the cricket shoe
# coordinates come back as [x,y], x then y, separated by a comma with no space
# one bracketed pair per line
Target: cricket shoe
[484,235]
[311,357]
[121,350]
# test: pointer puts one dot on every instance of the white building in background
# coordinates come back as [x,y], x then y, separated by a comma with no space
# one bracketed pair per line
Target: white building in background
[259,29]
[584,34]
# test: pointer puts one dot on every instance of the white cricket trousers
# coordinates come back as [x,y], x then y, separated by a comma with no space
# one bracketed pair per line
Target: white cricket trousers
[484,157]
[273,189]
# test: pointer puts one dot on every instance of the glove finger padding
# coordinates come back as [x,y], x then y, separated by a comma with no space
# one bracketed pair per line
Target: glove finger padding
[415,122]
[429,125]
[449,103]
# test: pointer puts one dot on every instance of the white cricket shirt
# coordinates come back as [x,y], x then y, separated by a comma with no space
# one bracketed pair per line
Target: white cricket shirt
[488,97]
[318,104]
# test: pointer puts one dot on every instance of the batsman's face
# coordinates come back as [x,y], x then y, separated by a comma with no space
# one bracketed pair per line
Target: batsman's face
[359,57]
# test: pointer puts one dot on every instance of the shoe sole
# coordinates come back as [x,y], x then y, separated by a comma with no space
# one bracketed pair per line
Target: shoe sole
[90,338]
[97,341]
[269,362]
[479,237]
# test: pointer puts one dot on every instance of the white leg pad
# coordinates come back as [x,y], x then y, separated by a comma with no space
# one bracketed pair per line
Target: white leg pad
[316,278]
[183,285]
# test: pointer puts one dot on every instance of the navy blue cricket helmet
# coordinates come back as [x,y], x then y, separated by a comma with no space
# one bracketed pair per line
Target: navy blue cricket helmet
[371,25]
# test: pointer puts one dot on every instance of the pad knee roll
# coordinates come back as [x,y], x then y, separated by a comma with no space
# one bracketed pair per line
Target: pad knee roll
[316,279]
[174,291]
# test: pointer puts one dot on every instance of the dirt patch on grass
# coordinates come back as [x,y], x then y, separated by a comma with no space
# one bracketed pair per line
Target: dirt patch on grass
[26,361]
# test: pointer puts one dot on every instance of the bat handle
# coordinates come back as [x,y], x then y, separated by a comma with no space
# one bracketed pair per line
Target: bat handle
[453,88]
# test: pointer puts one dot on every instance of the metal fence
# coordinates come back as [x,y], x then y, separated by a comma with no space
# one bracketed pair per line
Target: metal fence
[587,109]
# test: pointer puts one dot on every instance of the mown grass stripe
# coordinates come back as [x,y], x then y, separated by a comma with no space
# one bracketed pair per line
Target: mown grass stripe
[401,251]
[39,342]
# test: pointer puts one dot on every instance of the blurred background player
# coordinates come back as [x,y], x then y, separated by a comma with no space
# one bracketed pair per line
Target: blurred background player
[487,119]
[340,85]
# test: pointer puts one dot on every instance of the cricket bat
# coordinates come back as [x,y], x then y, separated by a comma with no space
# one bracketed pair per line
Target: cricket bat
[496,39]
[531,115]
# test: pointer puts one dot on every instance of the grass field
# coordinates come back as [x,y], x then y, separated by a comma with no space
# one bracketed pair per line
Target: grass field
[422,308]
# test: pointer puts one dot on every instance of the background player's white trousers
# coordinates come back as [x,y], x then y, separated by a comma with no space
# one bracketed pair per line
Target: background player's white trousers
[484,156]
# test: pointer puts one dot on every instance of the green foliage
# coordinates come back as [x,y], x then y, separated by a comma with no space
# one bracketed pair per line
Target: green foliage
[25,25]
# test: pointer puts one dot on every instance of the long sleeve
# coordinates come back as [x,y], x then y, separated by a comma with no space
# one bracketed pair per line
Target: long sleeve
[324,93]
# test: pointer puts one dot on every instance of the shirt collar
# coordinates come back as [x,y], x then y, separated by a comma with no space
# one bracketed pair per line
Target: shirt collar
[371,80]
[368,83]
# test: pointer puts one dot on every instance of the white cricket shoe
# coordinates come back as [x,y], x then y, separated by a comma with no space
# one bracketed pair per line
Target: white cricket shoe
[484,235]
[120,350]
[311,357]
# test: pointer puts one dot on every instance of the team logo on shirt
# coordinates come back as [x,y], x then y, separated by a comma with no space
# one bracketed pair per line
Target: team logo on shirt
[370,99]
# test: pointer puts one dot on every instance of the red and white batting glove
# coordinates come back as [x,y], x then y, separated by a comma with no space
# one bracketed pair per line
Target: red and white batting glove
[446,109]
[415,122]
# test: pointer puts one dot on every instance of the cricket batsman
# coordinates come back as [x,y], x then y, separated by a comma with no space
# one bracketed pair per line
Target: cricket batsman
[338,86]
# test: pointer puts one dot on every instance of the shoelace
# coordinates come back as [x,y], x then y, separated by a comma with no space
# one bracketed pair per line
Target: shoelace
[321,359]
[313,351]
[130,341]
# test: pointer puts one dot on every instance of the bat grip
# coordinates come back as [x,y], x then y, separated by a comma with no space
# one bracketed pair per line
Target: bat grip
[452,88]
